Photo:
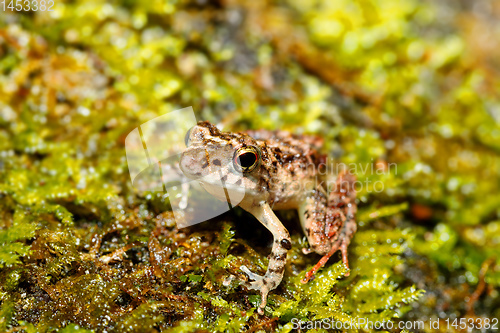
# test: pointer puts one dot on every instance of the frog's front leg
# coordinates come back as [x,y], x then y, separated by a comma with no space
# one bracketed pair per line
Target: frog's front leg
[277,260]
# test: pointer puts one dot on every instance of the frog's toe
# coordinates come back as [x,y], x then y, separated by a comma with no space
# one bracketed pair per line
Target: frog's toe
[306,251]
[261,284]
[250,274]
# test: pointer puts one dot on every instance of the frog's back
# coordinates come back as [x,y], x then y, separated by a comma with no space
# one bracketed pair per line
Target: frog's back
[290,165]
[289,148]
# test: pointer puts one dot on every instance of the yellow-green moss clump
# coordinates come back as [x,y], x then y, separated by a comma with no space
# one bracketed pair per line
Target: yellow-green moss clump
[386,82]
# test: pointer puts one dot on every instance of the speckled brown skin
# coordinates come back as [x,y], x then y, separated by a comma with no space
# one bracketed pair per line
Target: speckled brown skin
[286,175]
[329,220]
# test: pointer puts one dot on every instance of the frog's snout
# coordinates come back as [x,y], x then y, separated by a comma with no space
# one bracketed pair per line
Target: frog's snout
[193,162]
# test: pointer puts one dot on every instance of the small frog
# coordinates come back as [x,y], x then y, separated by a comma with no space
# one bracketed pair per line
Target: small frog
[275,170]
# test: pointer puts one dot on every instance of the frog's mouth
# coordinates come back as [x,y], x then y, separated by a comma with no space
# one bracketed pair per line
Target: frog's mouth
[219,180]
[231,193]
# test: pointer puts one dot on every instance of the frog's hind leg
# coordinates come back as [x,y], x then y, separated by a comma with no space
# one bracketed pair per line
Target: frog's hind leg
[312,214]
[337,227]
[343,199]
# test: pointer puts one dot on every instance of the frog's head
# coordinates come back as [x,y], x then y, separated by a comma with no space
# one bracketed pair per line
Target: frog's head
[216,158]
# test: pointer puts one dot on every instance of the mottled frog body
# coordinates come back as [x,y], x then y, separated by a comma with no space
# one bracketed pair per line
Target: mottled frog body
[275,170]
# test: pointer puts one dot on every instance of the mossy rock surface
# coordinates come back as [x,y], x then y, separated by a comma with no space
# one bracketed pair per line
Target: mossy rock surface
[404,92]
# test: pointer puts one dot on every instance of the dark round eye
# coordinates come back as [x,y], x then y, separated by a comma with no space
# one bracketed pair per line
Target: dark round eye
[246,159]
[186,138]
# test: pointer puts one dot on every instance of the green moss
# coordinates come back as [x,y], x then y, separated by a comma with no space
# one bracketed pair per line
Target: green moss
[386,83]
[10,247]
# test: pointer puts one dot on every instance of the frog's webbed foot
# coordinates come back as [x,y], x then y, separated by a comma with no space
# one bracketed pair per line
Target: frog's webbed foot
[341,242]
[324,260]
[251,275]
[260,283]
[271,279]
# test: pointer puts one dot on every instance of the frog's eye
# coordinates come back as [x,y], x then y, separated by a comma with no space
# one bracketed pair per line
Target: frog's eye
[246,159]
[186,138]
